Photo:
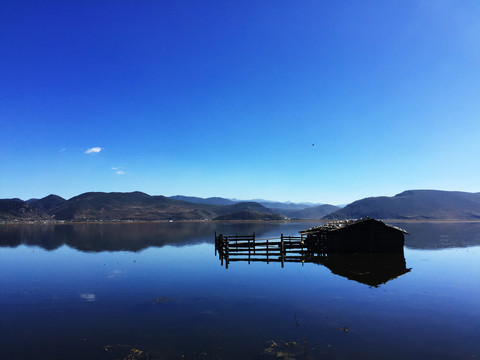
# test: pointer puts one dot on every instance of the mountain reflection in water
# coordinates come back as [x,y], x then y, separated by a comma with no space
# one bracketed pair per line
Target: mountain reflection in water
[97,237]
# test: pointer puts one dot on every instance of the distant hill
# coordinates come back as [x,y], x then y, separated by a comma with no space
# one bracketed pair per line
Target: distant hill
[248,211]
[287,209]
[415,204]
[210,200]
[16,209]
[47,203]
[314,212]
[276,205]
[250,215]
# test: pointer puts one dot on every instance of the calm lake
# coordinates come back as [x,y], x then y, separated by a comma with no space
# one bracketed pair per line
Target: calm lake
[157,291]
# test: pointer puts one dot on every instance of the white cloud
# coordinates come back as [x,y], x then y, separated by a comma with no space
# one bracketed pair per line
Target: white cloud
[93,150]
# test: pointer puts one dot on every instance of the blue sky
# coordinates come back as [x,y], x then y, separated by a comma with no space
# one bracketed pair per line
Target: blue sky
[227,98]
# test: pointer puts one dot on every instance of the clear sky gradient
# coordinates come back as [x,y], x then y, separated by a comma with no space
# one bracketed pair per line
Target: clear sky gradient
[315,101]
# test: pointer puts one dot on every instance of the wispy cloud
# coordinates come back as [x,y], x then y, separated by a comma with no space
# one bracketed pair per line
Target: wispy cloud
[93,150]
[63,150]
[118,171]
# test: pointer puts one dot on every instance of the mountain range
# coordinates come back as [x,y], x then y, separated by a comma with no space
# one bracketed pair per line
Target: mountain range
[100,206]
[94,206]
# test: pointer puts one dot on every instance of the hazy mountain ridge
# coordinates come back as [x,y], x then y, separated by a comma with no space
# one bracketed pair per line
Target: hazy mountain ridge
[280,206]
[210,200]
[314,212]
[415,205]
[274,205]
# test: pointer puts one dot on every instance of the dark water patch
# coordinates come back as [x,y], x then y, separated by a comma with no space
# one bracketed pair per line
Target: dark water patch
[441,235]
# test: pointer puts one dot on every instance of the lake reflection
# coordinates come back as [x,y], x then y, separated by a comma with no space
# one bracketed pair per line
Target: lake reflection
[157,291]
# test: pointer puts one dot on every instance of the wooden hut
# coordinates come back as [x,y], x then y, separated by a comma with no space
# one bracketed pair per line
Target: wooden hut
[355,236]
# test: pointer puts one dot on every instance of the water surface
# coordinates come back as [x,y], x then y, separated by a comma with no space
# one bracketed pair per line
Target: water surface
[157,291]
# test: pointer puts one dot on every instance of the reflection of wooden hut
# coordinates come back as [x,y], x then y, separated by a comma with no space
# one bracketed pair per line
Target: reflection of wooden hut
[372,269]
[355,236]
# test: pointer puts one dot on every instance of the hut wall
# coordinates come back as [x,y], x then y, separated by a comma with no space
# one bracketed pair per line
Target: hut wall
[367,236]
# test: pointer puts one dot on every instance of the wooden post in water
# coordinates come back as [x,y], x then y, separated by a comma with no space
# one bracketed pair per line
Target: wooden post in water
[249,251]
[254,243]
[267,251]
[282,250]
[221,249]
[302,254]
[227,250]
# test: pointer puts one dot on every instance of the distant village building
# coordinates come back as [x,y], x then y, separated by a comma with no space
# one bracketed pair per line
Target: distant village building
[355,236]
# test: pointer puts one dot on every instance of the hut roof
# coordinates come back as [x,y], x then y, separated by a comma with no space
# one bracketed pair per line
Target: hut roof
[341,224]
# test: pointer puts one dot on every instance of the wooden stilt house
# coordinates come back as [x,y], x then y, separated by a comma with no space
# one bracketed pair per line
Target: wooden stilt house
[355,236]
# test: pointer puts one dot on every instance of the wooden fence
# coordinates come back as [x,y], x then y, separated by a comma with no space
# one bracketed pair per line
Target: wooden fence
[249,248]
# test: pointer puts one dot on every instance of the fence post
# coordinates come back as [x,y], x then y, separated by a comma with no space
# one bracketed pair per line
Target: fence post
[267,251]
[227,251]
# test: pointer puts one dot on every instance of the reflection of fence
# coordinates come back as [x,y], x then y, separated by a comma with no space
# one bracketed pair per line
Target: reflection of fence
[249,248]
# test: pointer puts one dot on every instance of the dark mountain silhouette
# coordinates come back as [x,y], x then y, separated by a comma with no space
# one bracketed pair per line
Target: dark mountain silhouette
[415,204]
